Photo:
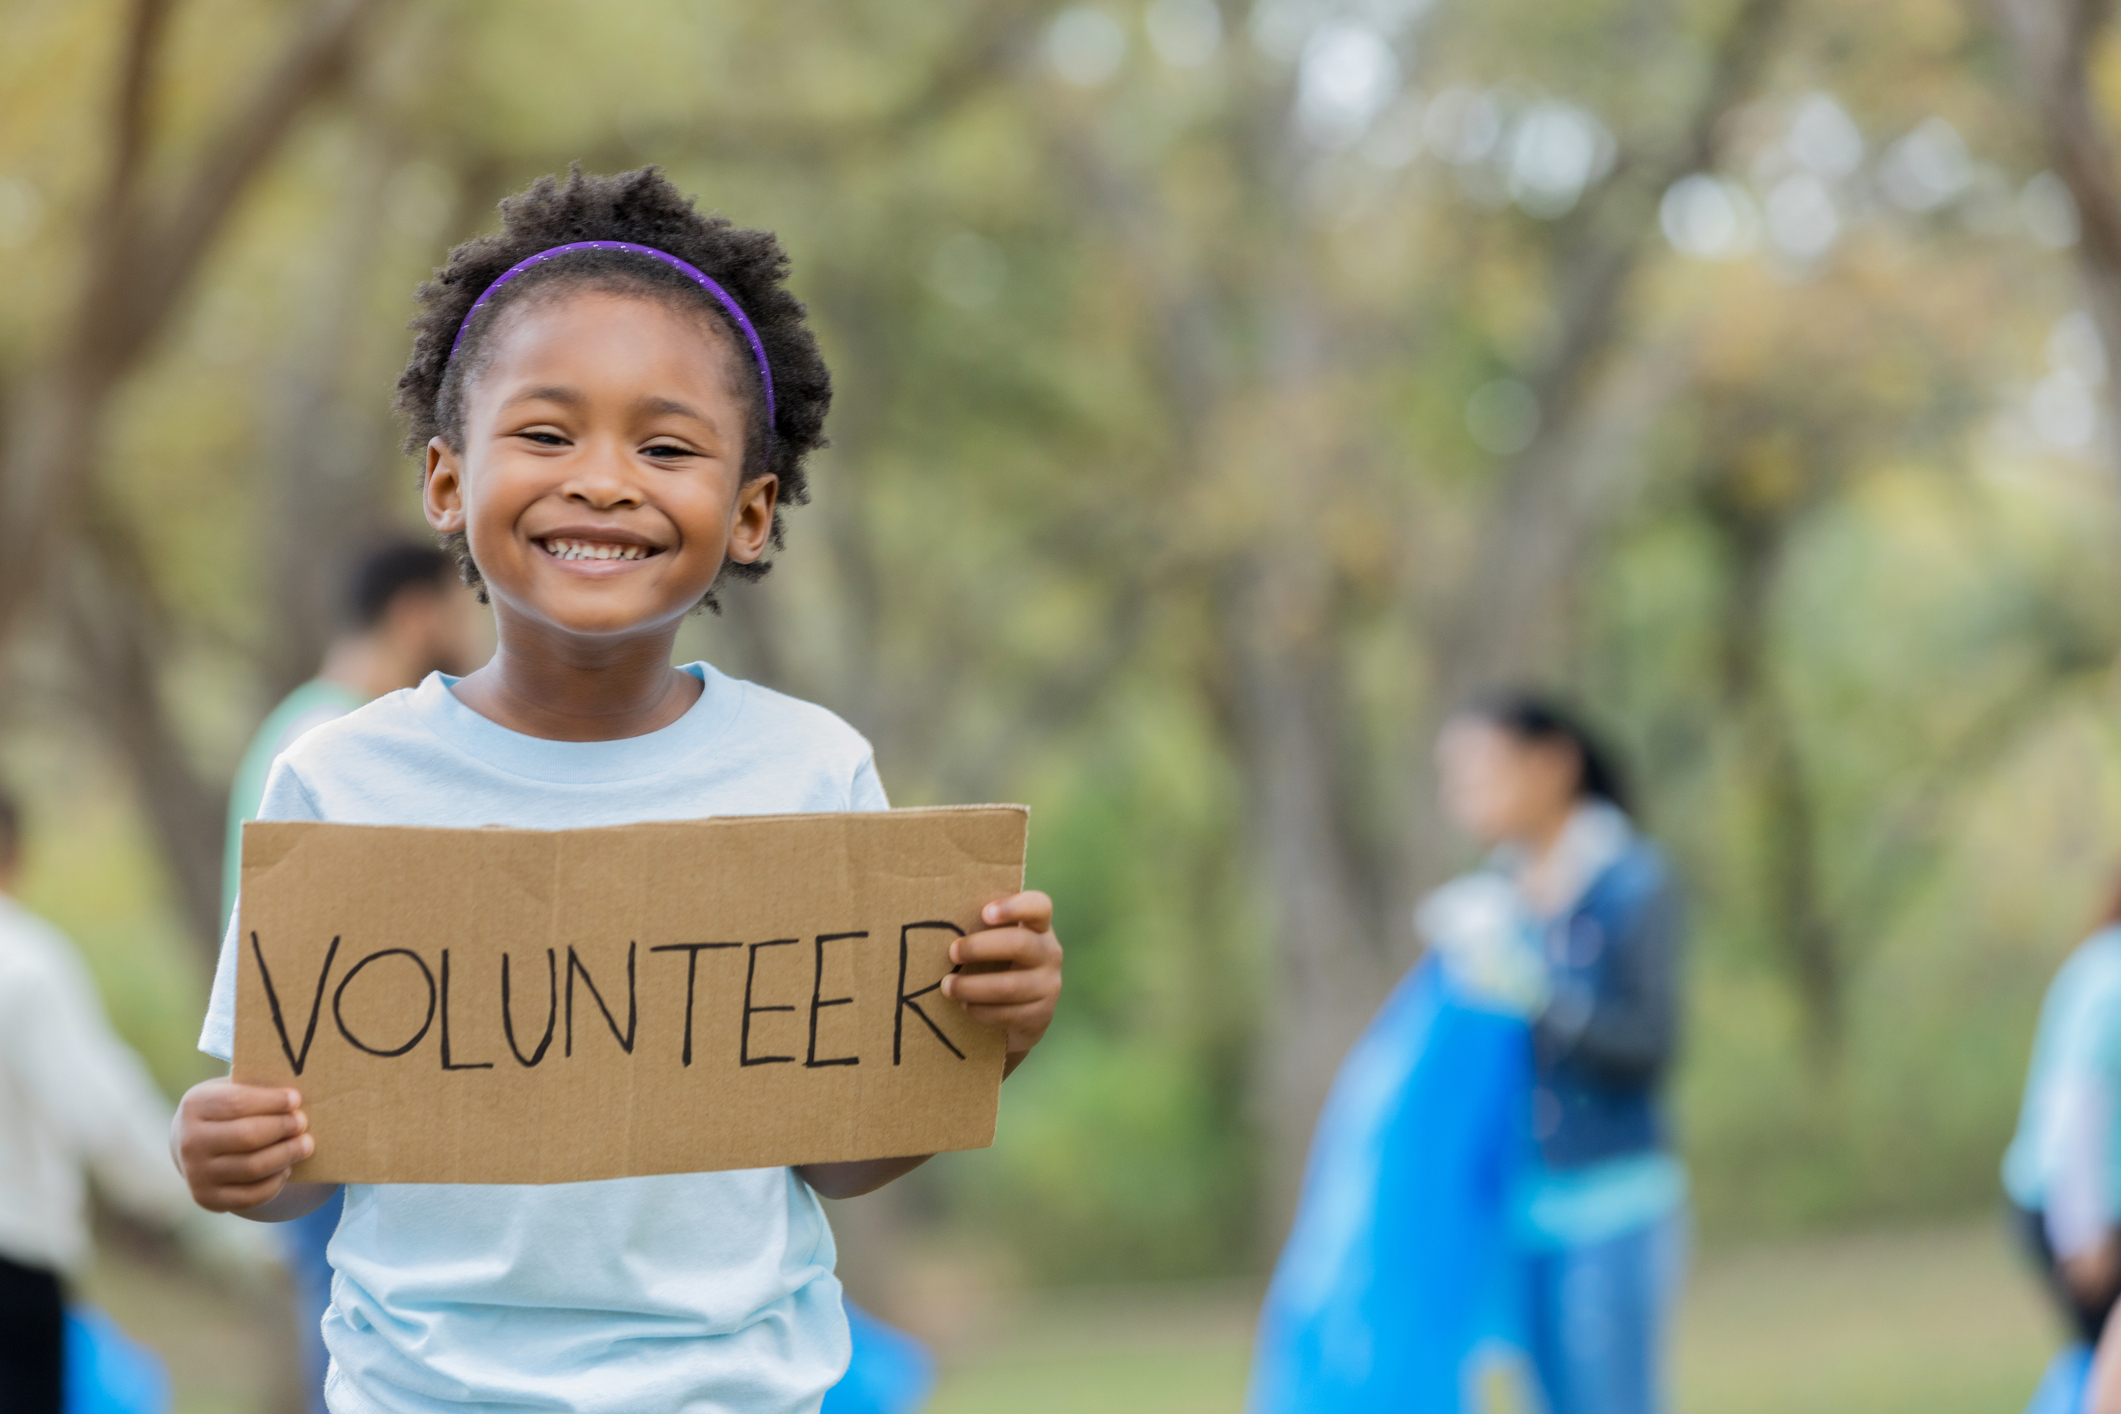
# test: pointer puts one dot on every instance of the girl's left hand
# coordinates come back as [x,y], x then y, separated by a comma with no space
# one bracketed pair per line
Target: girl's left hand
[1009,973]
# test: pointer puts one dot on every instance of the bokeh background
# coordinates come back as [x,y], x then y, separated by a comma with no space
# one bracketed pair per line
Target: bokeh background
[1224,389]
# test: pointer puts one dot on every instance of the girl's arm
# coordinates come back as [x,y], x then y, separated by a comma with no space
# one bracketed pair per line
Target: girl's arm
[852,1180]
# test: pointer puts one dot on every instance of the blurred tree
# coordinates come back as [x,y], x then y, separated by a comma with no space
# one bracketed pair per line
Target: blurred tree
[144,241]
[2057,43]
[1290,495]
[1225,391]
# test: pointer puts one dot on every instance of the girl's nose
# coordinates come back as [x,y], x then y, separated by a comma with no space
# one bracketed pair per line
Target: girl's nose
[605,480]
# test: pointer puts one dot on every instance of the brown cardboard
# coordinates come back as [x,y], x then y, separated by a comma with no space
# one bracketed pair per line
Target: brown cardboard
[385,947]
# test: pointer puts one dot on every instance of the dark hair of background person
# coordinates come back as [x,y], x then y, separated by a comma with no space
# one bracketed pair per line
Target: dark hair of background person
[387,571]
[1530,717]
[10,828]
[642,208]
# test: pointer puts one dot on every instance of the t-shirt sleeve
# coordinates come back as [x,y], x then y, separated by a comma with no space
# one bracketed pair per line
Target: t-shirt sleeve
[286,798]
[867,791]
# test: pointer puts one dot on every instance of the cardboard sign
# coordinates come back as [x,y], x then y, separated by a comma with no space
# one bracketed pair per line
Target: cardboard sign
[546,1006]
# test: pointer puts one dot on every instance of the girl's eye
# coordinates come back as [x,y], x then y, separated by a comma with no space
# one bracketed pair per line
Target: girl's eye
[667,452]
[545,439]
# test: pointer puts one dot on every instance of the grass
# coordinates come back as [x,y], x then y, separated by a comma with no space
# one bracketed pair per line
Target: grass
[1174,1350]
[1939,1320]
[227,1352]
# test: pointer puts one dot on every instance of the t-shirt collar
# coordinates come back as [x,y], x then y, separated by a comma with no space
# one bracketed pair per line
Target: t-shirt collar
[580,762]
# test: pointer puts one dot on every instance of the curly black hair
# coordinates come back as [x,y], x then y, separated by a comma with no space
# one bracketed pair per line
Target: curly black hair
[642,208]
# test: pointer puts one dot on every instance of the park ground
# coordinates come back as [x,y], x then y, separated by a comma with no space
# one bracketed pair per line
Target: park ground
[1940,1320]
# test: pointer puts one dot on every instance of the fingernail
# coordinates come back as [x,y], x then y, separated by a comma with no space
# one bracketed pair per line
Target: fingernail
[948,989]
[309,1146]
[990,913]
[953,954]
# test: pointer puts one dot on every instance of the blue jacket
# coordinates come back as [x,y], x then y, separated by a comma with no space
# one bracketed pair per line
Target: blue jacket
[1603,1046]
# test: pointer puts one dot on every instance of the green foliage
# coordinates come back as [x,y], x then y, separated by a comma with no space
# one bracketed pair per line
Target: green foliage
[1128,1134]
[1133,379]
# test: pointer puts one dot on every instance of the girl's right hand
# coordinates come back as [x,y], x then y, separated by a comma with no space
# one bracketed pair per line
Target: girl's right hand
[236,1145]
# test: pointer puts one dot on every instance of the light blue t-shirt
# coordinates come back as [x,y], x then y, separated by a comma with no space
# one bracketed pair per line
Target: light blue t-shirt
[711,1293]
[2071,1117]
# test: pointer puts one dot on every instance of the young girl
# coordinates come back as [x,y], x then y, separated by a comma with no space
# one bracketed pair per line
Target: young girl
[614,396]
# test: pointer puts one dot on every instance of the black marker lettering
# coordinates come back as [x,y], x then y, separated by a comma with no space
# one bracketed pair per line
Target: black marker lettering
[272,999]
[907,1001]
[446,1065]
[692,971]
[817,984]
[633,1006]
[552,1008]
[347,981]
[751,971]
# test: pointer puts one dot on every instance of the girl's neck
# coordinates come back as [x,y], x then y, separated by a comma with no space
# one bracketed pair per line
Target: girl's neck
[600,692]
[1536,873]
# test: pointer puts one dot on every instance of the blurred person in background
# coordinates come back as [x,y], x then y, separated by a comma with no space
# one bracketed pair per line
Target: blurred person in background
[74,1101]
[1601,1214]
[406,614]
[2061,1171]
[1491,1183]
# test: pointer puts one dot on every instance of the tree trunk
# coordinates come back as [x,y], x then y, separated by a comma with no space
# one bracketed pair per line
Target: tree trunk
[321,450]
[119,641]
[141,262]
[1329,969]
[1796,921]
[2055,42]
[1501,626]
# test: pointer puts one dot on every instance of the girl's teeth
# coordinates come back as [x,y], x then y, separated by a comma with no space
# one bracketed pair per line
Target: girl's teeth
[581,550]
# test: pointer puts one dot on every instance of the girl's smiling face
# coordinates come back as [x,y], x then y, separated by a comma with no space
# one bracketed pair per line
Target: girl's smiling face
[601,478]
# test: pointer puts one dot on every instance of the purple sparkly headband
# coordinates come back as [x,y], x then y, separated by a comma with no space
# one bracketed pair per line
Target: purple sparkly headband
[751,335]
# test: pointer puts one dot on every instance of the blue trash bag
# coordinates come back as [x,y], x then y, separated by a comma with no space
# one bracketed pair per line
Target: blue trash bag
[107,1371]
[889,1373]
[1399,1288]
[2061,1389]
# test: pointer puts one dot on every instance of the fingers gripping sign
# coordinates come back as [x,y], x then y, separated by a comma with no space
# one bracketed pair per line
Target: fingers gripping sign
[236,1145]
[1008,975]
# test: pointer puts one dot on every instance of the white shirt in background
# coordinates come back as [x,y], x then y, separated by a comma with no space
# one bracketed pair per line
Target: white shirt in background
[74,1101]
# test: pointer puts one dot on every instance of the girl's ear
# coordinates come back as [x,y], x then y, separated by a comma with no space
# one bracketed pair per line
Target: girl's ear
[442,493]
[752,527]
